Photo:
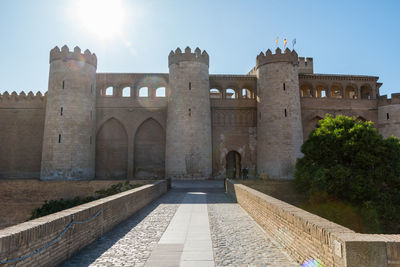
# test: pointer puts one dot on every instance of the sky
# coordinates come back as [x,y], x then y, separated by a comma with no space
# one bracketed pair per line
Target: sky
[343,37]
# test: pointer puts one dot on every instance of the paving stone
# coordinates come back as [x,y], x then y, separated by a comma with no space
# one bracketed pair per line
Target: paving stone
[131,242]
[237,238]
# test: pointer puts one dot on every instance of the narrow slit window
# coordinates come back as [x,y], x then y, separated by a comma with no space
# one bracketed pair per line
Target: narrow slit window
[91,114]
[190,112]
[90,140]
[387,116]
[285,112]
[63,84]
[284,87]
[190,86]
[91,89]
[61,111]
[59,138]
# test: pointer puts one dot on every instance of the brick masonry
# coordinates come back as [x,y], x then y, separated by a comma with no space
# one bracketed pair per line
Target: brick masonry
[20,197]
[225,112]
[25,238]
[306,236]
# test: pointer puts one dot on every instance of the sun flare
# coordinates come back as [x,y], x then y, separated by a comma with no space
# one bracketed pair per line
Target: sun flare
[103,18]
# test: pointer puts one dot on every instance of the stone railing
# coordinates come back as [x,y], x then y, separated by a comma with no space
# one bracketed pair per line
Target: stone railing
[49,240]
[307,237]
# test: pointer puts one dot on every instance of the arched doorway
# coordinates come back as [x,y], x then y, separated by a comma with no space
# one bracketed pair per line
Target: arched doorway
[233,165]
[149,151]
[111,151]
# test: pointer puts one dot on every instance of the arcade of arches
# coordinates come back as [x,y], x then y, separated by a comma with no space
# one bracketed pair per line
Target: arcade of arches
[112,151]
[336,90]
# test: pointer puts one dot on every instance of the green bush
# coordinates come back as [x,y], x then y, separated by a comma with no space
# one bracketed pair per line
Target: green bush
[350,161]
[61,204]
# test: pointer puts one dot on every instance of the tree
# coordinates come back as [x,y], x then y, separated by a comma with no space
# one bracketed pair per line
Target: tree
[351,161]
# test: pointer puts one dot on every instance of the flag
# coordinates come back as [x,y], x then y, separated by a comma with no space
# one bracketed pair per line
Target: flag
[284,42]
[294,42]
[276,41]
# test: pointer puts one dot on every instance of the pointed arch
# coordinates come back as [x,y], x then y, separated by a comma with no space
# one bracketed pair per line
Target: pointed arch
[149,152]
[112,150]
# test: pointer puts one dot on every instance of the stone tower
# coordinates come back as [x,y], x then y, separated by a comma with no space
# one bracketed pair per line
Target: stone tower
[279,125]
[389,115]
[69,140]
[188,144]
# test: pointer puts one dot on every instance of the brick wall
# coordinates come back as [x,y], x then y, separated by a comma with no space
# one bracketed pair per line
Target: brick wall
[19,197]
[22,239]
[306,236]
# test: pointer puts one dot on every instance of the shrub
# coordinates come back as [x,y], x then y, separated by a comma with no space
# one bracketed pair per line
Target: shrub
[61,204]
[350,161]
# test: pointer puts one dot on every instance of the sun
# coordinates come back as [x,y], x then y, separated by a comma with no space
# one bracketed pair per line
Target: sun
[104,19]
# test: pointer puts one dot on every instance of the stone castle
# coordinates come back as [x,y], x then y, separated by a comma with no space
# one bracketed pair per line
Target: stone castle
[185,124]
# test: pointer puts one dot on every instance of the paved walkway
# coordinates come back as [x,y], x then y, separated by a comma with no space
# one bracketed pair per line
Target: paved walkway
[192,225]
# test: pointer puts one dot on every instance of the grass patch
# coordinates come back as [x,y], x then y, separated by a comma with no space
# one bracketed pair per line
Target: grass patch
[360,219]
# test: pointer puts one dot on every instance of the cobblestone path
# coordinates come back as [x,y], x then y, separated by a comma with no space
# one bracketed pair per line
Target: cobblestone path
[148,238]
[238,240]
[130,243]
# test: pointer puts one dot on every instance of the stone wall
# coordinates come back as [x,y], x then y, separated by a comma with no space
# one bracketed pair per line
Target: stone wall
[314,109]
[306,236]
[68,138]
[103,215]
[19,197]
[21,134]
[279,125]
[234,128]
[188,136]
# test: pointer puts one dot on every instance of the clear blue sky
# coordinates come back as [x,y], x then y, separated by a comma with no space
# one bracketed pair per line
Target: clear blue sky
[343,37]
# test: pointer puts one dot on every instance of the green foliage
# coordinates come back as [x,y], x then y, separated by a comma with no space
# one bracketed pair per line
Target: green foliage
[349,160]
[61,204]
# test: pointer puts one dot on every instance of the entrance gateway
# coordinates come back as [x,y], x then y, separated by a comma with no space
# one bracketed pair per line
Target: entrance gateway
[233,165]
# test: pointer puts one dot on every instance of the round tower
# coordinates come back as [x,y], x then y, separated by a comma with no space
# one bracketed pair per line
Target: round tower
[279,126]
[69,140]
[188,144]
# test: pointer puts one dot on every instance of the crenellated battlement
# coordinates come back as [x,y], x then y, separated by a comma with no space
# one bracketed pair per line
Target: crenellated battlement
[21,96]
[178,56]
[384,101]
[64,54]
[268,57]
[306,65]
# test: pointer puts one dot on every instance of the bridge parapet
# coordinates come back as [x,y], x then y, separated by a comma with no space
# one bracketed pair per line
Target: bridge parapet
[49,240]
[308,237]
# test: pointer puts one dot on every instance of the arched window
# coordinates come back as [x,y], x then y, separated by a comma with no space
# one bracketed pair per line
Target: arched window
[350,92]
[126,92]
[336,91]
[215,93]
[365,92]
[321,91]
[109,91]
[230,93]
[144,92]
[305,90]
[247,94]
[160,92]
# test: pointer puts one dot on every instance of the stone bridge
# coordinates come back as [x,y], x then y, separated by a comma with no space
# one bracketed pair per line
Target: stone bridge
[198,223]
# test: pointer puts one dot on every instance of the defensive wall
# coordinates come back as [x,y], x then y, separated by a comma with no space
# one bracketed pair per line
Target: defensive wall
[130,115]
[19,197]
[306,236]
[49,240]
[234,124]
